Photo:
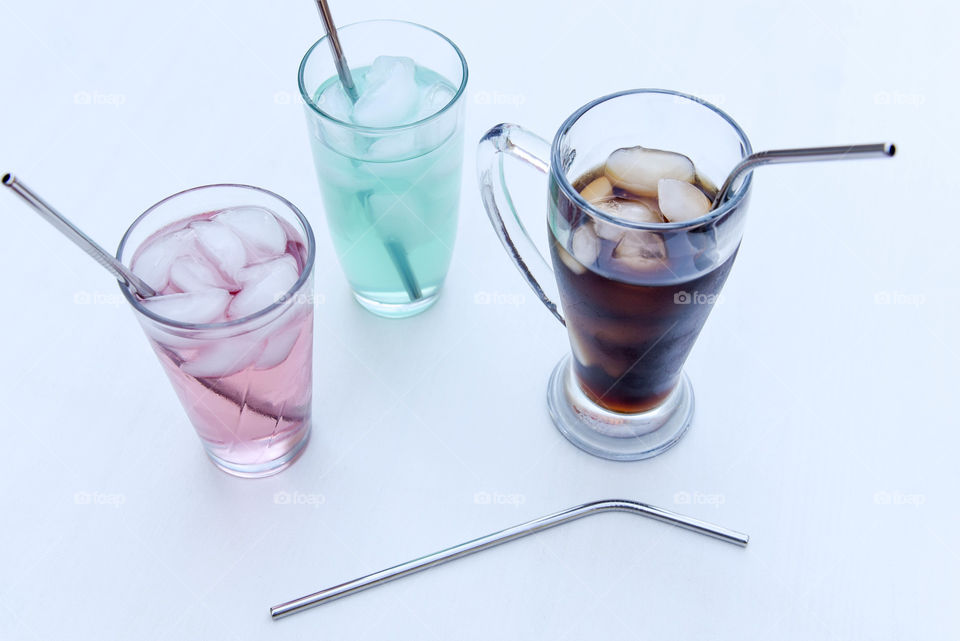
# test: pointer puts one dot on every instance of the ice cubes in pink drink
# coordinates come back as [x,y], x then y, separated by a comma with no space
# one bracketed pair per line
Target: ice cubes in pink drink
[192,274]
[221,247]
[202,306]
[225,357]
[257,228]
[263,284]
[220,267]
[241,253]
[154,259]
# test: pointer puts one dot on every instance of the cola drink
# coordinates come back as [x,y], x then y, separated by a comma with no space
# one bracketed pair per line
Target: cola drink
[635,293]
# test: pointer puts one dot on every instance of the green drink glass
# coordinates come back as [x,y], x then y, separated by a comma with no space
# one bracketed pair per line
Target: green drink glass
[389,166]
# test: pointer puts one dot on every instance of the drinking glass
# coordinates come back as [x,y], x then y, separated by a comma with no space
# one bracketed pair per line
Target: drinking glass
[390,193]
[246,384]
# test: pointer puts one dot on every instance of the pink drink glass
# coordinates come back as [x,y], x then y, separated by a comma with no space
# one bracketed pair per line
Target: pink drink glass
[245,383]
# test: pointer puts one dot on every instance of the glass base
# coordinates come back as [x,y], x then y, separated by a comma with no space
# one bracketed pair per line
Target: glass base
[397,310]
[612,435]
[260,470]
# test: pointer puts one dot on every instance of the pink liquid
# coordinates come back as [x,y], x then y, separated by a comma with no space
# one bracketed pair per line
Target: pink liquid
[246,389]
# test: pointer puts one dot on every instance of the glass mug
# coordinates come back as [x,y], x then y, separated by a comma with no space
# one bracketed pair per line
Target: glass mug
[632,320]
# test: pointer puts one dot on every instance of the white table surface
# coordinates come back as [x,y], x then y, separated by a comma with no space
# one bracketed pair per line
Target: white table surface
[826,380]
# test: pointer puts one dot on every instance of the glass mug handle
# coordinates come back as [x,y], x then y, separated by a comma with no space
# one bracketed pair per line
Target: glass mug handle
[521,144]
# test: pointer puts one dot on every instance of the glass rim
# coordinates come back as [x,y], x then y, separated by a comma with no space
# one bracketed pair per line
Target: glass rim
[309,101]
[727,206]
[287,296]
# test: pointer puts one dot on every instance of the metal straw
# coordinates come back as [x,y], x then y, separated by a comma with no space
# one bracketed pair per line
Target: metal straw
[399,258]
[84,242]
[808,154]
[394,248]
[503,536]
[340,60]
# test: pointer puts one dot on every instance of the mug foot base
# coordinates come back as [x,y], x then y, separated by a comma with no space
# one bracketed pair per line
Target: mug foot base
[612,435]
[397,310]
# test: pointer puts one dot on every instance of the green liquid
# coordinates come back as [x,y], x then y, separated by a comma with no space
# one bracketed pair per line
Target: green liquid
[391,202]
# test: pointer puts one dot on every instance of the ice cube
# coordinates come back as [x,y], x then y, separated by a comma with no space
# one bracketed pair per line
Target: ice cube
[638,169]
[259,271]
[434,133]
[257,227]
[204,306]
[589,350]
[433,98]
[221,245]
[631,210]
[154,262]
[393,147]
[384,67]
[640,251]
[263,284]
[585,245]
[390,94]
[570,261]
[680,201]
[579,348]
[278,347]
[339,138]
[598,190]
[193,273]
[614,356]
[335,102]
[225,356]
[400,177]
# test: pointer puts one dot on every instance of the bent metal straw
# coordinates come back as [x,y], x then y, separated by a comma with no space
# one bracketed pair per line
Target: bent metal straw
[807,154]
[503,536]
